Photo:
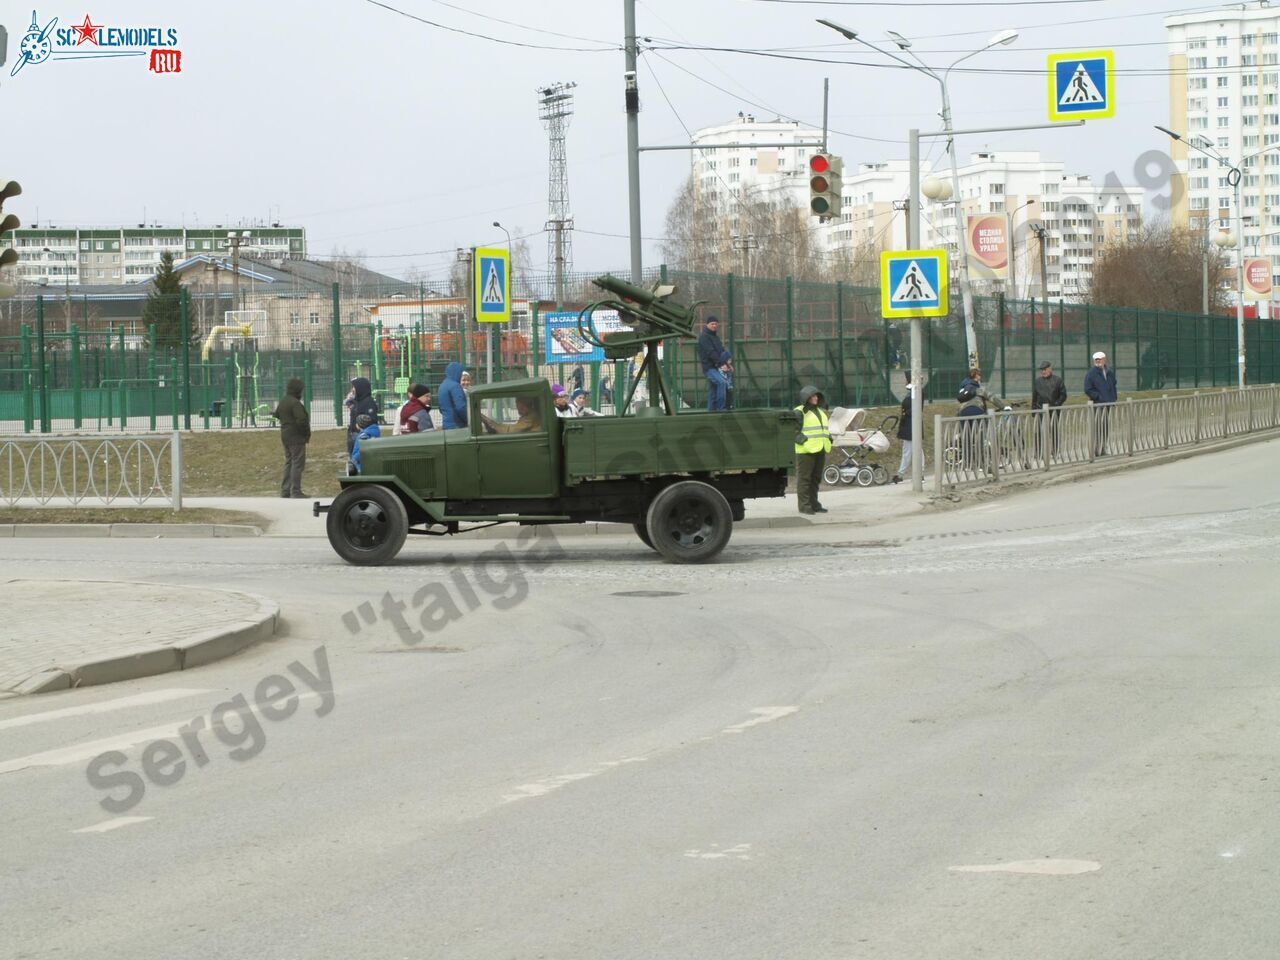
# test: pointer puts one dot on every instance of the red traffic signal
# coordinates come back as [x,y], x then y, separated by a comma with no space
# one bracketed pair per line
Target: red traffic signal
[825,185]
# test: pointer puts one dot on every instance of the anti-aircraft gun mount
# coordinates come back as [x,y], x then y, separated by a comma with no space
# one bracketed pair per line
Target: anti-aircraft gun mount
[652,318]
[680,479]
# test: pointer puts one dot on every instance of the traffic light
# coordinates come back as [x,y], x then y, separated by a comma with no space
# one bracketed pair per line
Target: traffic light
[8,256]
[825,185]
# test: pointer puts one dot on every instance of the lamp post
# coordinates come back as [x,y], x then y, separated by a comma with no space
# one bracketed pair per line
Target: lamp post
[1234,175]
[1003,38]
[1013,249]
[488,340]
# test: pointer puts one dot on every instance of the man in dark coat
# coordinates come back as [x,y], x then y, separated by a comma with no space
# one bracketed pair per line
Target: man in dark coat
[716,362]
[1047,392]
[295,433]
[1100,387]
[362,402]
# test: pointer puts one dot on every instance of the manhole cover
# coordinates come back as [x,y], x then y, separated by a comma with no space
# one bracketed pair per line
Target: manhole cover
[647,593]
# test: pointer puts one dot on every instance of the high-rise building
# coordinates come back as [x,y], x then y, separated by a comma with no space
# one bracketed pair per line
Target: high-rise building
[74,255]
[777,174]
[1224,87]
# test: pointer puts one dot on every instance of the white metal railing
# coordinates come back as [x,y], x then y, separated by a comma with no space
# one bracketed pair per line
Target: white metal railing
[1004,443]
[73,470]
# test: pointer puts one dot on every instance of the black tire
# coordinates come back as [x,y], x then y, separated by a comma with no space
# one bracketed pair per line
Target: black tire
[831,475]
[880,475]
[689,522]
[367,524]
[643,534]
[866,476]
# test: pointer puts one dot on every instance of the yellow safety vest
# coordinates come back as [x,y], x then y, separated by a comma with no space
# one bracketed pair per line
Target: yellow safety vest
[816,432]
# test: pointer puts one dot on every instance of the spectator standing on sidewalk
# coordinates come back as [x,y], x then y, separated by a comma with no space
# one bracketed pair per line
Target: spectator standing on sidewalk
[415,415]
[452,397]
[1100,388]
[295,434]
[813,443]
[904,433]
[1047,392]
[716,364]
[363,405]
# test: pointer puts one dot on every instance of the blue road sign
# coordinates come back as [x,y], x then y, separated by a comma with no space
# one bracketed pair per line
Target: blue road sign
[1081,85]
[913,283]
[493,300]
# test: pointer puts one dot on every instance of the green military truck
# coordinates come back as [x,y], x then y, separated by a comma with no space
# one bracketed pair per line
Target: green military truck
[681,479]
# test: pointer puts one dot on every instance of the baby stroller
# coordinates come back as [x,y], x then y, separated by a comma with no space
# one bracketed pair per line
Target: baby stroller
[854,440]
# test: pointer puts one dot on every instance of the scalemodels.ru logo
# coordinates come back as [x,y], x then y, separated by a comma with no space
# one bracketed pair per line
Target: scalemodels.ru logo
[90,40]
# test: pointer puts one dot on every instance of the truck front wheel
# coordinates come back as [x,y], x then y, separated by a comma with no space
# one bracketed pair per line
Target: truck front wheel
[689,522]
[367,524]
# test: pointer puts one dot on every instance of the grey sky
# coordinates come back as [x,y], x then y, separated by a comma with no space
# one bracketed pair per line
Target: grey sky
[390,137]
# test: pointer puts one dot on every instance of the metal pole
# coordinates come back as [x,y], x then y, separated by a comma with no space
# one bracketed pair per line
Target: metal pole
[917,336]
[633,137]
[44,371]
[1204,285]
[962,249]
[560,265]
[1239,283]
[1011,249]
[826,95]
[184,314]
[335,336]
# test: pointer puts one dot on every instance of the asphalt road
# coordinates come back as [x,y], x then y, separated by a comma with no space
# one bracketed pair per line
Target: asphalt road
[1041,727]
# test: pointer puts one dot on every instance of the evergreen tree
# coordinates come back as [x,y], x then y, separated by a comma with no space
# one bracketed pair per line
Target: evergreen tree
[163,304]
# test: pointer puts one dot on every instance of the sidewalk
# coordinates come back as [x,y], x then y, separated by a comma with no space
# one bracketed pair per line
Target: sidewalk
[86,632]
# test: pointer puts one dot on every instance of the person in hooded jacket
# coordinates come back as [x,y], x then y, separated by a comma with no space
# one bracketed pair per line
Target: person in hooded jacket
[295,433]
[452,399]
[813,443]
[363,405]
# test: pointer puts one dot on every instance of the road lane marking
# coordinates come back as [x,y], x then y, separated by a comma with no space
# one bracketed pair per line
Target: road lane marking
[540,788]
[1046,867]
[763,715]
[102,706]
[740,851]
[87,751]
[115,824]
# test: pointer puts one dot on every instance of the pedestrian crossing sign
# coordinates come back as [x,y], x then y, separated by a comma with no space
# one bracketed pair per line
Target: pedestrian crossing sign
[913,283]
[1081,85]
[492,285]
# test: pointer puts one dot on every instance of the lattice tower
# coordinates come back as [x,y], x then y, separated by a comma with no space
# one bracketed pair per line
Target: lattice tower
[555,108]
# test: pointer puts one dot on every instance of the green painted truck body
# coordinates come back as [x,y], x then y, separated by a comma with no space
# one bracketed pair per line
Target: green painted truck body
[576,469]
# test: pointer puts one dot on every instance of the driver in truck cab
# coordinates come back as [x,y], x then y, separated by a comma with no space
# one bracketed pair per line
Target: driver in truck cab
[530,420]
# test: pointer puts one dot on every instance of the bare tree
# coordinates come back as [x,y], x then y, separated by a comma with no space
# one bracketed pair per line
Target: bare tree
[1160,270]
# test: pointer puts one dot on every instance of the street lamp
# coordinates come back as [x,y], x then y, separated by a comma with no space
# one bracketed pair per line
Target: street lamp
[1013,248]
[1003,38]
[1234,176]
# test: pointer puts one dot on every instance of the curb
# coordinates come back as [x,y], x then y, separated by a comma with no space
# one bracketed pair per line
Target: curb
[37,531]
[197,650]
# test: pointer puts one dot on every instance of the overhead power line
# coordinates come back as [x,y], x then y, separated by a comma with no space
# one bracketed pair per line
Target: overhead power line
[484,36]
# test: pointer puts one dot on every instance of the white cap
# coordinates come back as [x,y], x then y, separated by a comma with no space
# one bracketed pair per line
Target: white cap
[1099,355]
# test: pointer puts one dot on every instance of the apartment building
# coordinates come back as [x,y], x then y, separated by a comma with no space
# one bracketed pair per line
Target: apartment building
[1224,97]
[61,256]
[1078,216]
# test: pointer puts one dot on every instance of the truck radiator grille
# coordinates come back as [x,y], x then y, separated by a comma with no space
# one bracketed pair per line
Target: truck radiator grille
[418,472]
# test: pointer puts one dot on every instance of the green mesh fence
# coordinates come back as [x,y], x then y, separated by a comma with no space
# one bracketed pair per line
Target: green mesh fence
[113,362]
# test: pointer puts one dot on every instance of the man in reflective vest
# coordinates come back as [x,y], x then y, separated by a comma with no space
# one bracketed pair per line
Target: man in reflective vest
[813,443]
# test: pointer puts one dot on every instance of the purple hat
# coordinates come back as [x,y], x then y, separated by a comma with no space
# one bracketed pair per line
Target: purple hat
[556,389]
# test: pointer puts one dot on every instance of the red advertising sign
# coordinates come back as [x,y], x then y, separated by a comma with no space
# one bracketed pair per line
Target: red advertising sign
[1257,279]
[988,239]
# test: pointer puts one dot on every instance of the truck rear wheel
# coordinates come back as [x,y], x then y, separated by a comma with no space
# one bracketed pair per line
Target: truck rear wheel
[689,522]
[643,533]
[367,524]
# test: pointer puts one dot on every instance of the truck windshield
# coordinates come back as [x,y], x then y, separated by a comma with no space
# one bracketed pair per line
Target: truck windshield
[511,415]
